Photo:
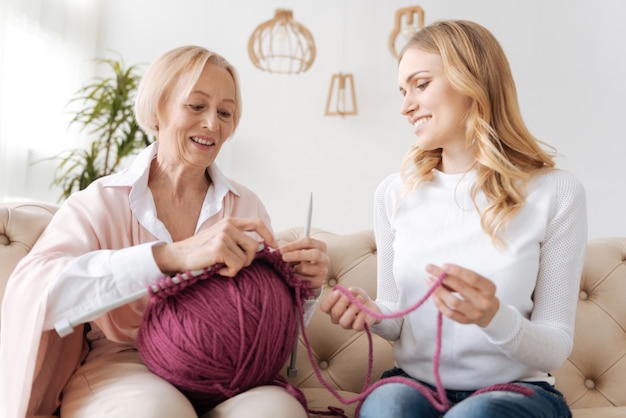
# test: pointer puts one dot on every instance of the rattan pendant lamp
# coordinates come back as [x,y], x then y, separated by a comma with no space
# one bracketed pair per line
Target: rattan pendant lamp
[282,45]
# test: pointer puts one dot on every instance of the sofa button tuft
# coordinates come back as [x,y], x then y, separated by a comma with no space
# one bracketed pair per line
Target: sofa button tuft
[583,295]
[323,365]
[332,282]
[590,384]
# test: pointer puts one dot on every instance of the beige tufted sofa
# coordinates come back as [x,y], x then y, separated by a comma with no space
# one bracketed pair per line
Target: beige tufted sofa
[593,379]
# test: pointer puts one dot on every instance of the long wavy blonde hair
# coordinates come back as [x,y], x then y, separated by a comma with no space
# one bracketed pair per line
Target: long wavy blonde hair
[507,155]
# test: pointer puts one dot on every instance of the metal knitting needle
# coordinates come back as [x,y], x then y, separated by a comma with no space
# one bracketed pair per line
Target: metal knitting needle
[292,370]
[309,214]
[66,326]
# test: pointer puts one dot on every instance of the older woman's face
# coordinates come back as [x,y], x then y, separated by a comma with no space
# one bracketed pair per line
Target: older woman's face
[194,127]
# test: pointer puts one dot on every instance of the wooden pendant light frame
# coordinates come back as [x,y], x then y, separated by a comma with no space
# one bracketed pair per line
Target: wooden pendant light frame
[409,14]
[337,89]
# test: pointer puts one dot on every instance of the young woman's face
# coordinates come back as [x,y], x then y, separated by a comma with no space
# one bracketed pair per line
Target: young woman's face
[431,105]
[194,127]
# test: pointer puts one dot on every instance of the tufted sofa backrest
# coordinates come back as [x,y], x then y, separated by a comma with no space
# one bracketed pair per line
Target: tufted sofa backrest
[595,373]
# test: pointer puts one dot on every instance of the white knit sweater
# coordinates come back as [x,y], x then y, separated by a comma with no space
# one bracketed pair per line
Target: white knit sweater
[537,277]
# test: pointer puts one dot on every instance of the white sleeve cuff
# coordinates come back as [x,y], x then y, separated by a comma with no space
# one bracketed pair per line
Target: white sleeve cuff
[504,325]
[133,263]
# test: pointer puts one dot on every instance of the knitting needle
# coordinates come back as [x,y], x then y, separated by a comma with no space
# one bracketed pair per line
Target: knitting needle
[292,370]
[65,326]
[309,214]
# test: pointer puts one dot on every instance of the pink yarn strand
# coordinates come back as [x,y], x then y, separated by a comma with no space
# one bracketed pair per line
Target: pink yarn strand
[443,399]
[367,388]
[398,314]
[439,400]
[370,364]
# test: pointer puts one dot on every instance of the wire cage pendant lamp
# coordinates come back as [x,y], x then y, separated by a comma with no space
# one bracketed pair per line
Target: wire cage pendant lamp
[282,45]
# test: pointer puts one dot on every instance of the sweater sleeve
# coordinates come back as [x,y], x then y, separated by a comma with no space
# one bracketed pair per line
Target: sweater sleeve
[546,339]
[387,293]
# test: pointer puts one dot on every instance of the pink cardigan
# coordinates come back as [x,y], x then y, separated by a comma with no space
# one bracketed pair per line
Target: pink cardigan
[36,365]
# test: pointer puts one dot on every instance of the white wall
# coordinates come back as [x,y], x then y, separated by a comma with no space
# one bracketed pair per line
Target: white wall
[46,51]
[568,58]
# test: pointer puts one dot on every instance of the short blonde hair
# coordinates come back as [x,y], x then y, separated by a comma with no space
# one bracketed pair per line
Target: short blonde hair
[162,75]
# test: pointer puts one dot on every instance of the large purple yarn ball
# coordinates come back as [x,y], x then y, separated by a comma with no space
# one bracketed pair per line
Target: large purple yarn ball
[221,336]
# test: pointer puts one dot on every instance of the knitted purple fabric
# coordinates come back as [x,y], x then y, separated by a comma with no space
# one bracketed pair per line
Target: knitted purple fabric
[214,337]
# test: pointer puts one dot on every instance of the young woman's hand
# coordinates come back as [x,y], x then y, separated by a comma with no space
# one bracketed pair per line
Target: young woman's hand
[464,296]
[345,313]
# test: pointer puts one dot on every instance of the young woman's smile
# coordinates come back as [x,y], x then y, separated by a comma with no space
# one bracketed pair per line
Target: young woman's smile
[431,104]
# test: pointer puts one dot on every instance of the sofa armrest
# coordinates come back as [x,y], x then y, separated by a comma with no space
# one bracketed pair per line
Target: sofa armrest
[21,223]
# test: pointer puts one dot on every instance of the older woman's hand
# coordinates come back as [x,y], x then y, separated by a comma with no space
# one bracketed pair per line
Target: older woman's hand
[227,242]
[309,258]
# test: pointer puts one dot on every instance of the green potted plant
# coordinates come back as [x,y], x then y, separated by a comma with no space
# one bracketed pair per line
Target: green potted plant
[106,112]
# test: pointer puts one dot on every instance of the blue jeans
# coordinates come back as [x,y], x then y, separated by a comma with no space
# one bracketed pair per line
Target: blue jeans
[397,400]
